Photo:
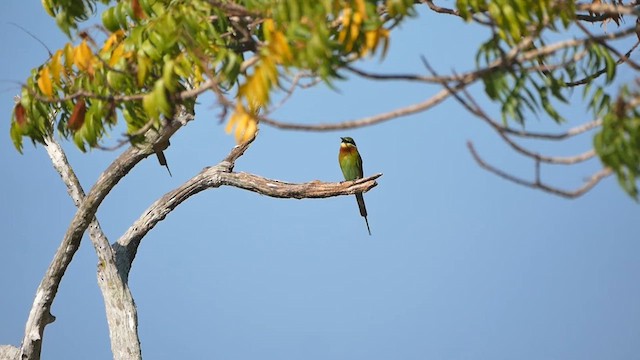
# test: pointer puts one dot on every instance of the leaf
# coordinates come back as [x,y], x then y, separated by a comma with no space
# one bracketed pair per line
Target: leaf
[610,66]
[252,127]
[56,66]
[108,44]
[83,57]
[463,8]
[161,101]
[19,114]
[48,7]
[68,56]
[76,120]
[371,38]
[44,81]
[143,68]
[244,122]
[116,55]
[138,13]
[16,136]
[109,19]
[168,75]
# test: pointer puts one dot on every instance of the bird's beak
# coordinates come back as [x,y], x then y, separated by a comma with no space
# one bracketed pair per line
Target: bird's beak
[342,139]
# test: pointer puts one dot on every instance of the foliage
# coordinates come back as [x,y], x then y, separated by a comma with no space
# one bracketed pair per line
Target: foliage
[619,141]
[156,51]
[535,79]
[151,58]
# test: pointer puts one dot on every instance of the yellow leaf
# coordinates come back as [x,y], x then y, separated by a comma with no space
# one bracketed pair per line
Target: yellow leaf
[108,44]
[241,126]
[56,66]
[116,54]
[360,7]
[267,29]
[346,20]
[253,90]
[370,42]
[269,72]
[115,38]
[44,81]
[244,122]
[351,23]
[354,30]
[233,118]
[68,56]
[83,57]
[252,127]
[280,48]
[256,89]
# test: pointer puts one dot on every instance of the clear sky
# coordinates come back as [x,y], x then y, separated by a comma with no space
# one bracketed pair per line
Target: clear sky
[461,264]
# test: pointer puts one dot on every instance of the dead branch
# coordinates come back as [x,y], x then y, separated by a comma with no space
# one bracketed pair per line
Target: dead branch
[474,108]
[370,120]
[40,314]
[222,175]
[119,304]
[611,9]
[537,184]
[577,130]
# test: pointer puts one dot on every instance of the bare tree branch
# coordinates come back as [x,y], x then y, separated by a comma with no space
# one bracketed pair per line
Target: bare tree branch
[40,314]
[577,130]
[476,110]
[238,151]
[611,9]
[222,175]
[516,54]
[370,120]
[537,184]
[622,58]
[120,308]
[472,106]
[442,10]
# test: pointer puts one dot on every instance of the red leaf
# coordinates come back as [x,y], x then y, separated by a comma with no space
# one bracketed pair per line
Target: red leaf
[20,114]
[77,116]
[138,13]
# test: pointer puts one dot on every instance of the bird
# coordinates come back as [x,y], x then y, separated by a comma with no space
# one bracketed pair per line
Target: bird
[351,166]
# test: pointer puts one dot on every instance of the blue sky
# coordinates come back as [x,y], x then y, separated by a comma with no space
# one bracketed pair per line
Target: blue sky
[461,264]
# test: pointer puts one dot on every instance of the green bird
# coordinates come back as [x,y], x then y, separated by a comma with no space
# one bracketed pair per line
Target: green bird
[351,165]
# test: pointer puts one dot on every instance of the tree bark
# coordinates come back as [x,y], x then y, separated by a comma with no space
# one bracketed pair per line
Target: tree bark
[122,316]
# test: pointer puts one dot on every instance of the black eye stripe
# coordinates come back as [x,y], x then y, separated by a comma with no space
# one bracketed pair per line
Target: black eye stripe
[348,140]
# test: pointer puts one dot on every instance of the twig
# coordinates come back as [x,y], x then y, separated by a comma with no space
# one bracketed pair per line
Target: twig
[370,120]
[472,106]
[611,9]
[442,10]
[626,58]
[570,194]
[238,151]
[577,130]
[475,109]
[288,92]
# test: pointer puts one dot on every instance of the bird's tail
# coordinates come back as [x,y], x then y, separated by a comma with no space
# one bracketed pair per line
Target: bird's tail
[363,209]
